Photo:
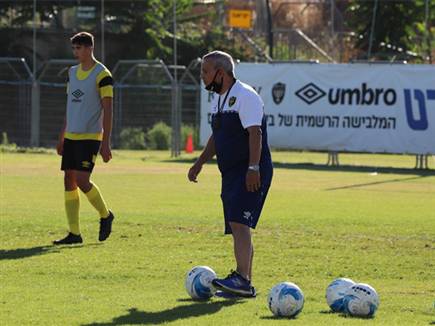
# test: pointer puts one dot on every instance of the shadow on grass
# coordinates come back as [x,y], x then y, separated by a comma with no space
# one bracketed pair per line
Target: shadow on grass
[353,168]
[357,185]
[278,318]
[188,160]
[327,312]
[21,253]
[345,316]
[137,317]
[328,168]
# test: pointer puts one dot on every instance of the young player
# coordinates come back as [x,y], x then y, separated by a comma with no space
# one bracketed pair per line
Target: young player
[86,131]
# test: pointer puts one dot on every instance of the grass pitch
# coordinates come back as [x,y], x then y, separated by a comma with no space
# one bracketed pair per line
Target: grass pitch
[371,224]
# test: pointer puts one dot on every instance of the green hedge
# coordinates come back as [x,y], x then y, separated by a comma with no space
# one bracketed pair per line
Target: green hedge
[132,138]
[159,136]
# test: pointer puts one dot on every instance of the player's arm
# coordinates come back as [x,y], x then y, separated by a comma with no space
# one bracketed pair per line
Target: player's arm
[107,104]
[105,86]
[59,146]
[207,154]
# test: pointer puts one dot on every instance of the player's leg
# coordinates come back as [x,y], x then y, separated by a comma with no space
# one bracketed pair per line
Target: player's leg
[87,154]
[96,199]
[92,192]
[72,202]
[71,195]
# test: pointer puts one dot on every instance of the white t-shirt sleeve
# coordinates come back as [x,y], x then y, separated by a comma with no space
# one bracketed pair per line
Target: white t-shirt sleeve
[251,110]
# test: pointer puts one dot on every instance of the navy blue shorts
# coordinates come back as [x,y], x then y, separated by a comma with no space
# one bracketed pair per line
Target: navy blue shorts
[240,205]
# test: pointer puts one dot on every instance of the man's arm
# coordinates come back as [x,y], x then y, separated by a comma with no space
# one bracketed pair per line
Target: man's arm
[207,154]
[253,182]
[59,147]
[105,151]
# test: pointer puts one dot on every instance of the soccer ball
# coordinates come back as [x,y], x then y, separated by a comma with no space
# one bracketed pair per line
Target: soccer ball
[361,300]
[198,282]
[336,291]
[286,300]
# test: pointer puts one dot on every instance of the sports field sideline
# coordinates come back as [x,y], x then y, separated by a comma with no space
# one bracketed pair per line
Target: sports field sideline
[372,220]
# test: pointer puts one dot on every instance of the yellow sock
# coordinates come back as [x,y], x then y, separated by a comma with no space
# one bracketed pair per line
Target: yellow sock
[95,198]
[72,206]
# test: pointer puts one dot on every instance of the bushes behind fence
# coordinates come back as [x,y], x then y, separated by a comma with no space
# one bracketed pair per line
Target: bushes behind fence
[158,137]
[132,138]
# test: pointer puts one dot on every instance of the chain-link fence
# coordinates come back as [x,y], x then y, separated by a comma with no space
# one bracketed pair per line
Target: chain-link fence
[146,92]
[142,95]
[52,82]
[15,99]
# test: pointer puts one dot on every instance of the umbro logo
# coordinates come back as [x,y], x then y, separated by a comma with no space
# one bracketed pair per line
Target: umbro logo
[310,93]
[77,93]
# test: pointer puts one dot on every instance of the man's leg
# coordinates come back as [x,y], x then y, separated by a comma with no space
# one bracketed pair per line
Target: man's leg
[92,192]
[238,282]
[72,207]
[94,196]
[72,202]
[243,248]
[252,260]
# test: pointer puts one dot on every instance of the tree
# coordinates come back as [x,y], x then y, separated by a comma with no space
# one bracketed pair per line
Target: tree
[141,29]
[145,24]
[398,32]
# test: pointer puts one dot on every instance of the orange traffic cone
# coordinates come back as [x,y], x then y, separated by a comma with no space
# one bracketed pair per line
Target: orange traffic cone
[189,144]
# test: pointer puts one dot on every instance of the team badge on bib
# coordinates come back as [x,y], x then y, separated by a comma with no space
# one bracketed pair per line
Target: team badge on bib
[232,101]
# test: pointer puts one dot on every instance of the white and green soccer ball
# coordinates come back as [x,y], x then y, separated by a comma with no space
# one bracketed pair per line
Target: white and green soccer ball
[199,282]
[361,300]
[286,299]
[336,291]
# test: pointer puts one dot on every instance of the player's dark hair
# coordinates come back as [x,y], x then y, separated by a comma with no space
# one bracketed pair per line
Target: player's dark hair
[83,38]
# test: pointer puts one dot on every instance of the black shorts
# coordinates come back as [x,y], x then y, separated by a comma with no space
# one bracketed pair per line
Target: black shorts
[79,155]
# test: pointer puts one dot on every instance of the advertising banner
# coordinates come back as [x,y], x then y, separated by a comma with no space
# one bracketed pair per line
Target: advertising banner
[342,107]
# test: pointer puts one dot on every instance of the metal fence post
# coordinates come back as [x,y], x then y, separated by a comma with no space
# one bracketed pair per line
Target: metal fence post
[35,115]
[174,106]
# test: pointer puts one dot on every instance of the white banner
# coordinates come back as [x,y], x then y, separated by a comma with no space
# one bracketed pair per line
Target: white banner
[342,107]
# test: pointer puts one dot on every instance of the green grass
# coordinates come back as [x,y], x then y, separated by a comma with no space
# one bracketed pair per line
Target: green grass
[372,224]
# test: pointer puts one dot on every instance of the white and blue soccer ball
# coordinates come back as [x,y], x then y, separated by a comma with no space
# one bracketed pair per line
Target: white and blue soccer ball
[286,299]
[198,282]
[336,291]
[361,300]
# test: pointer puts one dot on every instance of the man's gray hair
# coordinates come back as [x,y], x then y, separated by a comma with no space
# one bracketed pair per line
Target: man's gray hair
[221,60]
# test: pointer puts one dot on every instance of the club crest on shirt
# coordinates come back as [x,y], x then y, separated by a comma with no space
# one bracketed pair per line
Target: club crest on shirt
[278,92]
[232,101]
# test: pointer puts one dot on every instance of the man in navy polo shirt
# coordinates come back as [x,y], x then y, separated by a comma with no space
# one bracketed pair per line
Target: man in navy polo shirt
[239,141]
